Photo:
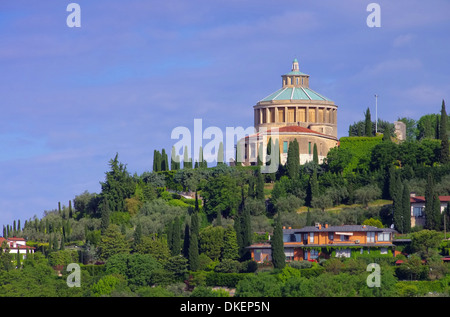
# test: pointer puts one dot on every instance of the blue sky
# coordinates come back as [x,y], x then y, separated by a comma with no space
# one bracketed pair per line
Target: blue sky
[71,98]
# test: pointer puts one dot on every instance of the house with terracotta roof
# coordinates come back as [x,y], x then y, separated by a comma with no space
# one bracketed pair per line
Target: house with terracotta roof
[418,208]
[311,242]
[17,245]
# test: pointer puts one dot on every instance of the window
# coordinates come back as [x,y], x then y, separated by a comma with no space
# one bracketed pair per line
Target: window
[313,254]
[257,255]
[311,237]
[285,146]
[309,147]
[384,236]
[344,237]
[289,253]
[370,237]
[331,236]
[417,211]
[383,251]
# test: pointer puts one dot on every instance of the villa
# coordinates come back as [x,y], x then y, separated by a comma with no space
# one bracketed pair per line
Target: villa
[310,242]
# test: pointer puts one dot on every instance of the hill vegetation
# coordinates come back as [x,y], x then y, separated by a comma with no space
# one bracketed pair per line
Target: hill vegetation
[183,231]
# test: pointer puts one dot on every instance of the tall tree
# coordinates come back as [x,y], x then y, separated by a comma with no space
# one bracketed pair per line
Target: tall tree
[313,187]
[105,216]
[367,123]
[443,135]
[164,161]
[432,204]
[293,160]
[176,237]
[156,161]
[230,246]
[119,185]
[406,205]
[220,154]
[397,198]
[194,262]
[315,154]
[246,228]
[277,245]
[259,188]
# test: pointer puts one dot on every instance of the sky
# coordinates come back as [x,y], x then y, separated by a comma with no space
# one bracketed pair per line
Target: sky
[73,97]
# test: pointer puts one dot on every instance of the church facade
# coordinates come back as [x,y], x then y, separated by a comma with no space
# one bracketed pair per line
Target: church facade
[294,111]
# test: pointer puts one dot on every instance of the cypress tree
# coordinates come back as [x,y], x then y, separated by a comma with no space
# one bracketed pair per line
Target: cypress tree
[315,154]
[293,160]
[429,203]
[18,259]
[105,215]
[194,262]
[186,241]
[187,162]
[251,188]
[220,154]
[246,234]
[436,213]
[164,161]
[398,205]
[176,237]
[278,256]
[173,160]
[137,236]
[443,135]
[313,187]
[259,188]
[406,205]
[367,123]
[239,238]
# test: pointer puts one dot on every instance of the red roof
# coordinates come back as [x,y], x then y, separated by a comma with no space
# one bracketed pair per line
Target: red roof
[16,239]
[421,199]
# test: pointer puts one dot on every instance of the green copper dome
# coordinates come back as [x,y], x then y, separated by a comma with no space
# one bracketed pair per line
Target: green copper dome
[295,93]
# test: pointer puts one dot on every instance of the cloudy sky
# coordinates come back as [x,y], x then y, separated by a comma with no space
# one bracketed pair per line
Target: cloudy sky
[71,98]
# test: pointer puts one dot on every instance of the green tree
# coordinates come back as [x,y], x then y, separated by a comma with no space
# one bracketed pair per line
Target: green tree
[157,158]
[443,135]
[425,242]
[230,245]
[315,154]
[367,123]
[432,205]
[211,242]
[176,237]
[260,285]
[259,188]
[220,154]
[112,242]
[164,161]
[277,245]
[194,262]
[118,185]
[313,188]
[293,160]
[106,214]
[406,205]
[220,195]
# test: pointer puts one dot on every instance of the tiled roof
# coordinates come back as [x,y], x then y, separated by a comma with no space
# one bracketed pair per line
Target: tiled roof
[421,199]
[344,228]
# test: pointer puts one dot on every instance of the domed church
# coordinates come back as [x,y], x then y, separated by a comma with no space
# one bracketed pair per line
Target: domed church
[294,111]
